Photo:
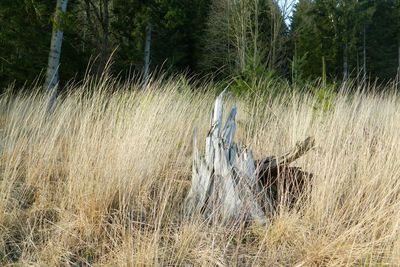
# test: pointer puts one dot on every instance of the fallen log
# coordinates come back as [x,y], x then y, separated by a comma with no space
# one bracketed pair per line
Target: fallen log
[228,185]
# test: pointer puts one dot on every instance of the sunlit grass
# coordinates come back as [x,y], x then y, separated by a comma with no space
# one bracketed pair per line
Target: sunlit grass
[101,181]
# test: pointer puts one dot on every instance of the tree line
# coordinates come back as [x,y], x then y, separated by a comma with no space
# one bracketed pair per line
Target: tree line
[240,39]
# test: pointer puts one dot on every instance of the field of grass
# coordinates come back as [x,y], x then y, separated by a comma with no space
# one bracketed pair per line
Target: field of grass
[102,180]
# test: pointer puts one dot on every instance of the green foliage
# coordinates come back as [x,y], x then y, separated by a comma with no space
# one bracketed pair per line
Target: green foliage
[245,38]
[383,51]
[245,43]
[177,27]
[334,29]
[297,64]
[324,98]
[26,28]
[251,79]
[24,40]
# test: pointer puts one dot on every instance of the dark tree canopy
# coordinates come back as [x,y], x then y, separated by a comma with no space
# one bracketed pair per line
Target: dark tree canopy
[247,38]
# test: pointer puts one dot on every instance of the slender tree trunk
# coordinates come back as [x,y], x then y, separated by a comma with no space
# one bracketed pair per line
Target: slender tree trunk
[364,79]
[323,72]
[398,61]
[345,64]
[294,61]
[147,47]
[256,33]
[52,78]
[358,68]
[241,23]
[398,67]
[273,36]
[105,46]
[98,21]
[228,39]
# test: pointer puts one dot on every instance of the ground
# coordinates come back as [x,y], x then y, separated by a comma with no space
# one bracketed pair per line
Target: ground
[101,180]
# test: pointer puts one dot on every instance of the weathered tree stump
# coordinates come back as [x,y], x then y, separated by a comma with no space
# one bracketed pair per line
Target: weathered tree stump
[228,185]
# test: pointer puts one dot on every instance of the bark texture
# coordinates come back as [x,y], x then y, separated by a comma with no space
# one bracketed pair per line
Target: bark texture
[52,77]
[146,67]
[228,185]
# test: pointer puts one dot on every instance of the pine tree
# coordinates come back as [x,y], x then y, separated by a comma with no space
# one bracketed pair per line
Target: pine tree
[383,40]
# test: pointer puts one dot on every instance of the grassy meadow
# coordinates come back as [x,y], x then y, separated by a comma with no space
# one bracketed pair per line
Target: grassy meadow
[101,181]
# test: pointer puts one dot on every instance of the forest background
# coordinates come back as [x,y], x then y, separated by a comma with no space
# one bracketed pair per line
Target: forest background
[235,41]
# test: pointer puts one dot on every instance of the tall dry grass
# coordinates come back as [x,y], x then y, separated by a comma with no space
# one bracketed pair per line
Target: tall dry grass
[101,181]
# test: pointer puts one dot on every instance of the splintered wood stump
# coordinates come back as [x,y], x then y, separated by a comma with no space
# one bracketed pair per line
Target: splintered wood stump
[228,185]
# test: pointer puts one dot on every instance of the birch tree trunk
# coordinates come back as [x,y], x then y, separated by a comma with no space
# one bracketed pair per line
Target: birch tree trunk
[52,77]
[147,47]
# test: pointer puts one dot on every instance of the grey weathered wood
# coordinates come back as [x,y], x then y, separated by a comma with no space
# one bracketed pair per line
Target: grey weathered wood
[228,133]
[201,179]
[225,182]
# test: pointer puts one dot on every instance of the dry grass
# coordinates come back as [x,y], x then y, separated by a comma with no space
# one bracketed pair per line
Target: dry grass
[101,181]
